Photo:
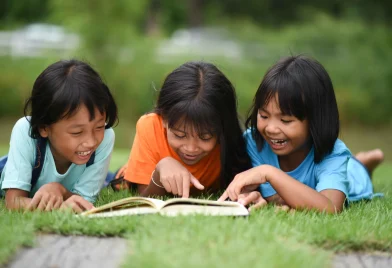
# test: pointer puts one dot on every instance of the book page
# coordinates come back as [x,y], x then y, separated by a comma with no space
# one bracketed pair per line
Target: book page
[140,210]
[175,201]
[192,209]
[127,203]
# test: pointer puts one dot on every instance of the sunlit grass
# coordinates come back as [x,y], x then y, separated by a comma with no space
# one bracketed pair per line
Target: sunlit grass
[266,238]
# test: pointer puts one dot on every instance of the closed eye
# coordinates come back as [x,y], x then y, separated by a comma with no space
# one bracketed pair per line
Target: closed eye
[179,136]
[286,121]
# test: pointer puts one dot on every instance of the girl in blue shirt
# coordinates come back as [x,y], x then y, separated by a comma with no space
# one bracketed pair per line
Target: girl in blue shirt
[294,147]
[67,137]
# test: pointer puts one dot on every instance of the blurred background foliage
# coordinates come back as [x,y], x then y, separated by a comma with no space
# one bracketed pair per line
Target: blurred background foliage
[135,44]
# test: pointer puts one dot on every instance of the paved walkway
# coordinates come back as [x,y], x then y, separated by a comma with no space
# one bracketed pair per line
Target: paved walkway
[84,251]
[55,251]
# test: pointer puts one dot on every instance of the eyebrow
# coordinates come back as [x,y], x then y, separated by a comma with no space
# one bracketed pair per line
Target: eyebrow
[199,134]
[82,125]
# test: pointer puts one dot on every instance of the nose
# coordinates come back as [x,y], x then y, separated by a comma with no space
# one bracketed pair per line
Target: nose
[90,142]
[272,128]
[191,145]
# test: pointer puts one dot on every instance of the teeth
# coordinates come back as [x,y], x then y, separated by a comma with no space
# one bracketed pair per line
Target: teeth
[84,153]
[281,142]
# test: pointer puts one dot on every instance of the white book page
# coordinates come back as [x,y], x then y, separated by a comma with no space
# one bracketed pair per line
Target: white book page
[125,212]
[185,209]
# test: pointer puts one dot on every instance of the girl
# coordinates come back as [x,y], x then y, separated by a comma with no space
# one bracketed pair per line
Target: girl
[59,155]
[193,136]
[294,147]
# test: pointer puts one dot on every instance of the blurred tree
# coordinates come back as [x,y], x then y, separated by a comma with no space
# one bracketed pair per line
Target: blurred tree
[22,11]
[104,25]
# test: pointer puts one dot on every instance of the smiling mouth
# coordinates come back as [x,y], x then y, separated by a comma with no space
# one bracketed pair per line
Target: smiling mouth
[85,153]
[278,142]
[190,157]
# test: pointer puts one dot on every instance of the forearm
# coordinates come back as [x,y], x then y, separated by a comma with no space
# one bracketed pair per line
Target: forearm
[276,199]
[16,199]
[152,189]
[298,195]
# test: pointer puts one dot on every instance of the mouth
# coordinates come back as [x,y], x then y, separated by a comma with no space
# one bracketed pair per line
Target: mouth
[84,153]
[278,144]
[190,157]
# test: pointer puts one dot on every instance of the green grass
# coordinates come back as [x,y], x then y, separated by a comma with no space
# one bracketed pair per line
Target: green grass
[266,238]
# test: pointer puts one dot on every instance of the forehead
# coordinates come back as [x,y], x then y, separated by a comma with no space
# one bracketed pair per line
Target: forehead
[82,116]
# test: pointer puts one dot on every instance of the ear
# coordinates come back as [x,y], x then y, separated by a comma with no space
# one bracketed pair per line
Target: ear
[164,123]
[43,131]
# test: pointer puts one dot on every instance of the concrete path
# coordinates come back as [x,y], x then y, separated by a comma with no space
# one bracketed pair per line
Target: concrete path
[362,261]
[55,251]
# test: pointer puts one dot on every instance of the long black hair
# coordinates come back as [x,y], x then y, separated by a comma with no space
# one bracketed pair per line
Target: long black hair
[62,88]
[200,95]
[305,91]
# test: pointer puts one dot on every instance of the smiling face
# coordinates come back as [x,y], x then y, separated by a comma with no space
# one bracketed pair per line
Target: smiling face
[190,146]
[74,139]
[287,135]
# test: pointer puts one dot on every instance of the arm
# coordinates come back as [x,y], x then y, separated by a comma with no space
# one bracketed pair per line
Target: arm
[294,193]
[16,199]
[300,196]
[170,177]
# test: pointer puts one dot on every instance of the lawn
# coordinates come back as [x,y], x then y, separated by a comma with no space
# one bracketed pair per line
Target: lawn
[266,238]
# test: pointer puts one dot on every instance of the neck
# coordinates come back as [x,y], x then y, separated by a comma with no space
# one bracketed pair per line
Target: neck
[292,161]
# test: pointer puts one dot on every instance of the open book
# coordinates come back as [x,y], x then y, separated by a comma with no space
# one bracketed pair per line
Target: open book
[171,207]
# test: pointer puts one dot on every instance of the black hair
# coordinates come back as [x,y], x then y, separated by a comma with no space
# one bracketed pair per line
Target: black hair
[305,91]
[61,89]
[200,95]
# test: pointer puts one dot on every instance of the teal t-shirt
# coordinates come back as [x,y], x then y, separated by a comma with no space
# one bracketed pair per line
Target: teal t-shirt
[79,179]
[338,170]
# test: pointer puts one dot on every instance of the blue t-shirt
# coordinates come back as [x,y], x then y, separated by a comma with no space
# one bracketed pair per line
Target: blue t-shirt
[78,179]
[337,171]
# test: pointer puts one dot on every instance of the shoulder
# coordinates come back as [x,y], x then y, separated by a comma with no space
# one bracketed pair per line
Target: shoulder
[337,158]
[21,130]
[107,142]
[149,122]
[22,125]
[339,149]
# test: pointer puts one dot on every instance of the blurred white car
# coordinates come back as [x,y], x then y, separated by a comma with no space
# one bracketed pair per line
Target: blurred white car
[200,42]
[35,40]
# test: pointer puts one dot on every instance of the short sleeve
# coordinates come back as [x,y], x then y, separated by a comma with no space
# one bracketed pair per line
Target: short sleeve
[142,160]
[90,182]
[21,156]
[331,173]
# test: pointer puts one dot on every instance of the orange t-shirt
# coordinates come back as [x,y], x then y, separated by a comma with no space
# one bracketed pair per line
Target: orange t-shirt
[150,146]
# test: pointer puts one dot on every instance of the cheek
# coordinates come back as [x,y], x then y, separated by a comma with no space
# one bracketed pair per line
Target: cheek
[260,125]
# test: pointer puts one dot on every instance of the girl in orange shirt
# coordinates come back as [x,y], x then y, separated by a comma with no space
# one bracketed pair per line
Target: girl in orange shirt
[191,139]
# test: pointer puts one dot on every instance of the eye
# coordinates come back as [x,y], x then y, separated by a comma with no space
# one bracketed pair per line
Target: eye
[206,137]
[100,127]
[263,116]
[76,133]
[286,121]
[179,136]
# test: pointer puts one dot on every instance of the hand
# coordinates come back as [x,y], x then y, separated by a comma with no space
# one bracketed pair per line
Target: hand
[245,182]
[121,171]
[77,203]
[254,198]
[48,197]
[284,208]
[175,177]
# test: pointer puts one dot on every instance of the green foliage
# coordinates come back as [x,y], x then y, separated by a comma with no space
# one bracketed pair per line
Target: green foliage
[266,237]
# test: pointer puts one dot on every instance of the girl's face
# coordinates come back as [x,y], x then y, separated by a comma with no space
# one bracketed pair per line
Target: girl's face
[190,146]
[287,136]
[74,139]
